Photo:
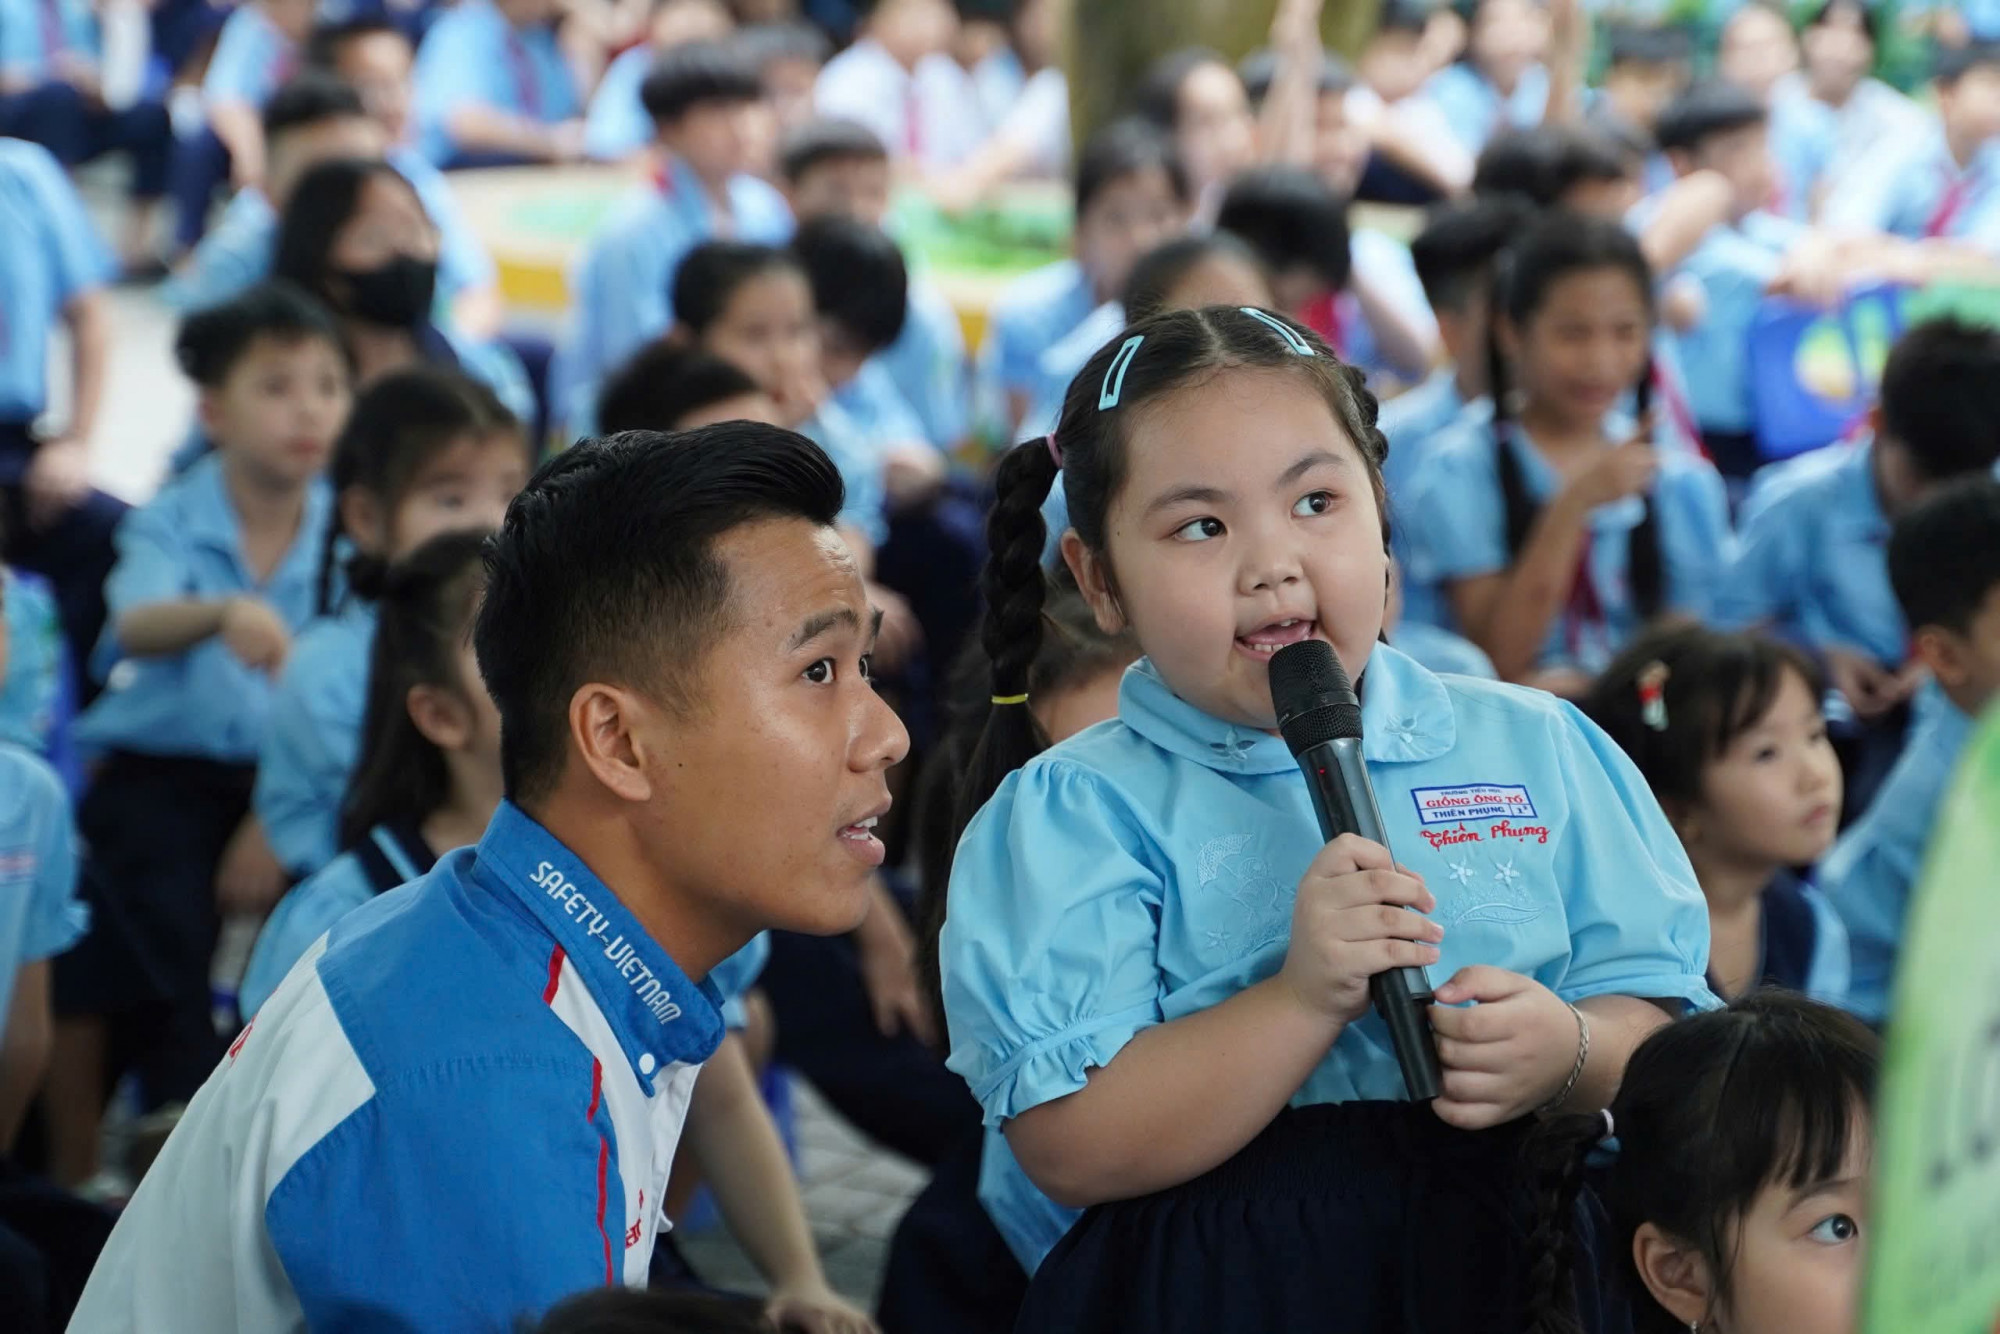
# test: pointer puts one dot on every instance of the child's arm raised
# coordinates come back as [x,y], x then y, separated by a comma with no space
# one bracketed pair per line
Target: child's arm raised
[1184,1096]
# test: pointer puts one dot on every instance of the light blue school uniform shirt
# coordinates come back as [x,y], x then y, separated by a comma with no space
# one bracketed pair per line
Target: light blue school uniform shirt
[1734,266]
[1441,651]
[40,916]
[50,254]
[1458,530]
[617,125]
[237,253]
[1475,109]
[252,58]
[472,56]
[33,685]
[28,41]
[185,543]
[876,409]
[1412,422]
[858,460]
[314,737]
[1145,869]
[927,362]
[1811,558]
[1031,315]
[1392,274]
[1917,190]
[1872,868]
[622,287]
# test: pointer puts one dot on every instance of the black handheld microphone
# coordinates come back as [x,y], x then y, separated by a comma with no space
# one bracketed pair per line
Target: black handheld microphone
[1320,718]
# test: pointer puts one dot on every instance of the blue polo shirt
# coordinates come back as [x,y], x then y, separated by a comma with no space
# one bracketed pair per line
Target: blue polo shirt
[50,254]
[472,56]
[314,737]
[1476,110]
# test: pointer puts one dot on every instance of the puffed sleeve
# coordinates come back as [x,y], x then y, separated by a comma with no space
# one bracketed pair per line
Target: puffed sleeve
[1050,945]
[1638,924]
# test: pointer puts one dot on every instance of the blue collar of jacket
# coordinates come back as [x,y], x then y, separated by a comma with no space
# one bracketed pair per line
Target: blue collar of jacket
[658,1016]
[1406,716]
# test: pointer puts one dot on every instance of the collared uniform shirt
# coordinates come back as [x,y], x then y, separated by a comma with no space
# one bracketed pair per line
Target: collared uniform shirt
[50,254]
[314,737]
[617,125]
[1916,190]
[1475,109]
[1031,315]
[932,117]
[1734,266]
[40,916]
[472,56]
[252,58]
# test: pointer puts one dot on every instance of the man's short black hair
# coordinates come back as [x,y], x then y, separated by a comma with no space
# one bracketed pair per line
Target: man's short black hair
[765,44]
[712,272]
[1954,63]
[1545,163]
[1941,397]
[328,40]
[1292,219]
[1124,148]
[1259,70]
[1454,253]
[859,280]
[1647,44]
[212,341]
[605,570]
[1944,555]
[694,73]
[307,98]
[824,140]
[662,385]
[1711,107]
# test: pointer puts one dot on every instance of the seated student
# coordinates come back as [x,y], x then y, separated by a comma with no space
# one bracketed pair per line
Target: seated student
[789,56]
[51,93]
[1727,730]
[1860,114]
[635,729]
[616,126]
[1196,99]
[53,270]
[1945,186]
[1646,68]
[1944,563]
[1554,527]
[37,701]
[836,168]
[493,88]
[898,81]
[1736,1184]
[1131,194]
[1358,290]
[1814,529]
[376,58]
[356,237]
[1416,157]
[424,452]
[1758,52]
[1026,109]
[1500,81]
[257,50]
[621,289]
[216,575]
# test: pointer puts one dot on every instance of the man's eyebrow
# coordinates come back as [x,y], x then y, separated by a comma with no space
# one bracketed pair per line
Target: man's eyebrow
[820,623]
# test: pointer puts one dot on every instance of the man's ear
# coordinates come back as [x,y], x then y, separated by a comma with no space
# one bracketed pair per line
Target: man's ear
[1093,580]
[604,726]
[1675,1273]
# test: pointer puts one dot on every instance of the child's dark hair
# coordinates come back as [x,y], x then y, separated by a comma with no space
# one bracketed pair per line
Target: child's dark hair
[1953,63]
[1944,555]
[1709,108]
[1156,272]
[1454,253]
[1412,18]
[1543,164]
[1713,1108]
[606,571]
[1941,397]
[1172,351]
[329,40]
[1072,653]
[818,143]
[307,98]
[1259,70]
[1647,44]
[663,384]
[1560,244]
[765,44]
[426,602]
[618,1310]
[1292,219]
[859,280]
[1718,685]
[1125,148]
[212,341]
[1871,23]
[1158,96]
[713,271]
[686,76]
[397,427]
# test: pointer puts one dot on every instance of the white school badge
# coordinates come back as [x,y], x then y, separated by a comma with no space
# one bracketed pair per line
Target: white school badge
[1473,801]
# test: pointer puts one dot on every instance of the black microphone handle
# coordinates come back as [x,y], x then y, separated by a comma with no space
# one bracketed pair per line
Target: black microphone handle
[1337,776]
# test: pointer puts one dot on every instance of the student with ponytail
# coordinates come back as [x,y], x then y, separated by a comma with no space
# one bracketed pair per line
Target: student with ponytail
[1155,969]
[425,452]
[1556,528]
[1737,1189]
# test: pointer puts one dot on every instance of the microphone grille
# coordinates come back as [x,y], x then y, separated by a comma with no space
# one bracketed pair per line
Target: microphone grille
[1310,692]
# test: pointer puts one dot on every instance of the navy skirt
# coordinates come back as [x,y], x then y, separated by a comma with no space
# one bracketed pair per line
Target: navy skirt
[1370,1216]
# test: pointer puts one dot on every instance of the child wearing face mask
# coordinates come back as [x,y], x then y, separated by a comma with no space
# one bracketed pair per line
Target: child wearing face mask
[1156,968]
[1728,732]
[425,452]
[1738,1188]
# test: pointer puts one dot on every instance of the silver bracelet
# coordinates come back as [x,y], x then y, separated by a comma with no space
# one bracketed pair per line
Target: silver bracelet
[1576,1072]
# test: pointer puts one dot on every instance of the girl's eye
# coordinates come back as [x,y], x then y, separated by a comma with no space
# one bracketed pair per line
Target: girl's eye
[1200,530]
[820,673]
[1765,753]
[1313,502]
[1816,736]
[1835,1229]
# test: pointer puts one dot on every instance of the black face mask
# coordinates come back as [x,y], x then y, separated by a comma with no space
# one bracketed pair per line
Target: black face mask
[397,295]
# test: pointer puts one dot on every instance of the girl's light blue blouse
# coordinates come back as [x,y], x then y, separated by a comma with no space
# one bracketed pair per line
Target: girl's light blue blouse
[1145,869]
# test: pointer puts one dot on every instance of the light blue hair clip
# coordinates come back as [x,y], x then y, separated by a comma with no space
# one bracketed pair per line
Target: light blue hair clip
[1114,379]
[1284,330]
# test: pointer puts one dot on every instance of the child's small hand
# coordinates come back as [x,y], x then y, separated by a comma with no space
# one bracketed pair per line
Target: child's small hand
[1871,690]
[1507,1054]
[1621,471]
[249,878]
[1350,922]
[816,1309]
[255,634]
